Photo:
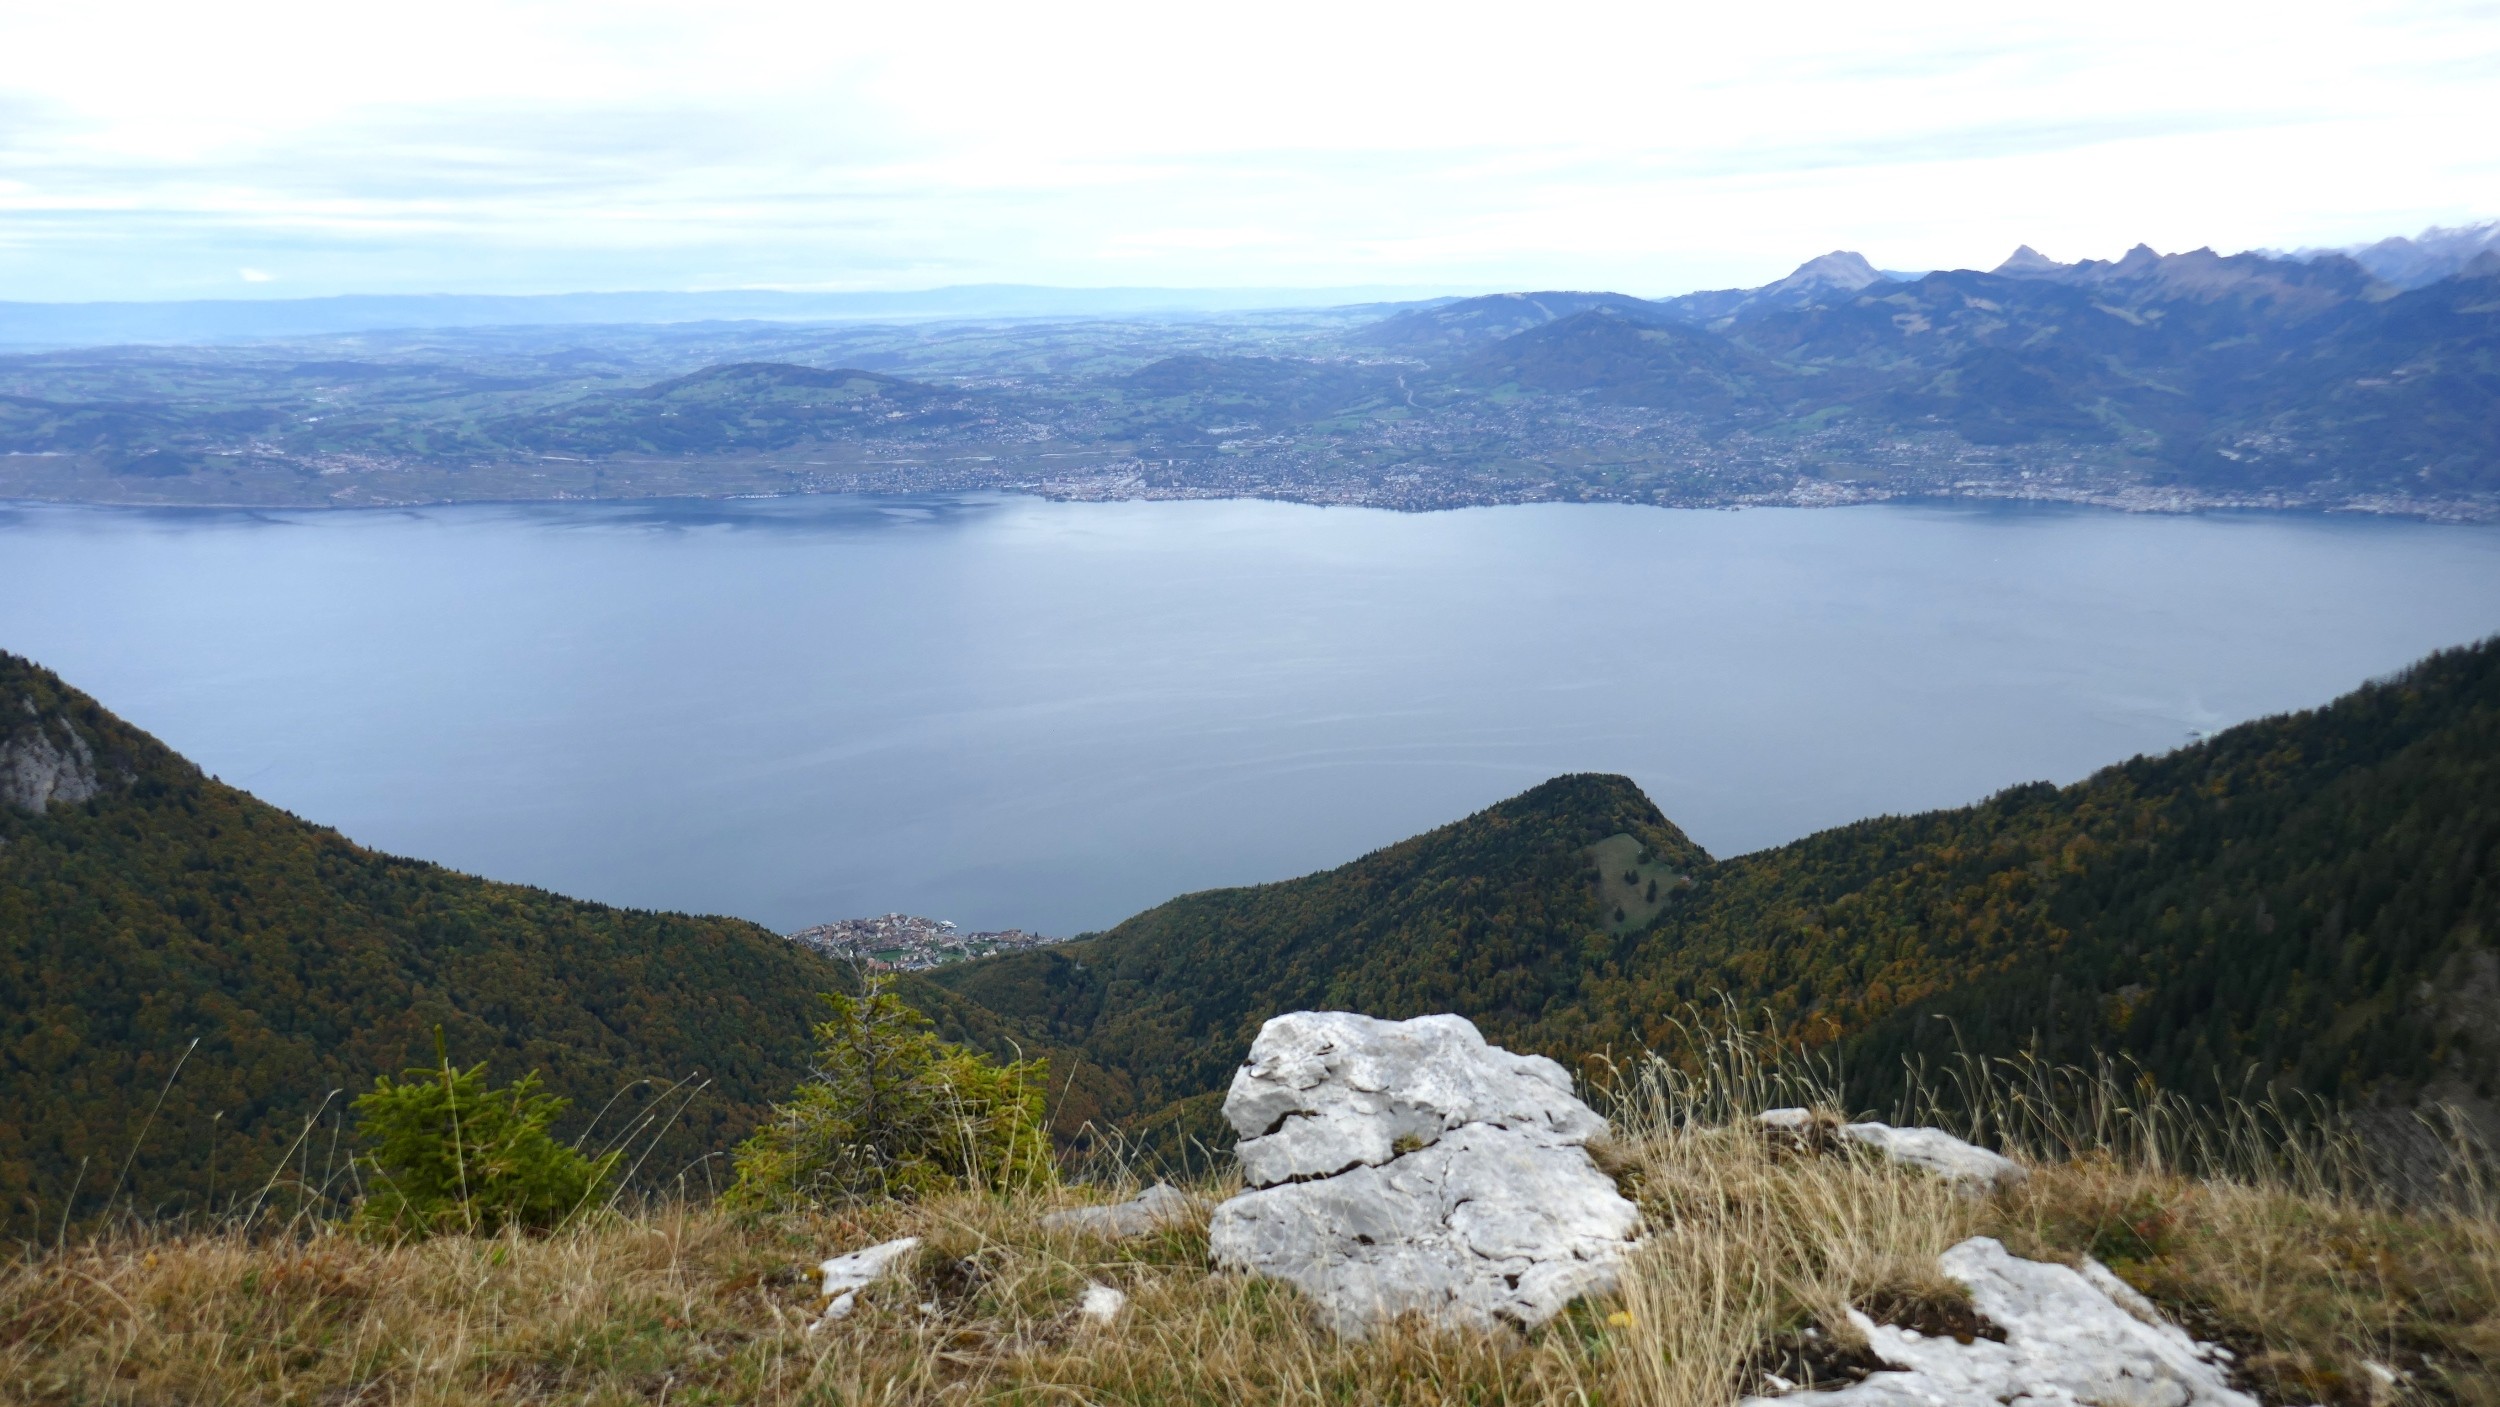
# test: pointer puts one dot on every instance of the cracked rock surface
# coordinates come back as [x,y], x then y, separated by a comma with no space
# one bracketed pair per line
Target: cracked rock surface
[1400,1166]
[2071,1337]
[42,764]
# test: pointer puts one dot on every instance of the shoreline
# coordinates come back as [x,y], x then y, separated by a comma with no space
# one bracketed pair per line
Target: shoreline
[2146,501]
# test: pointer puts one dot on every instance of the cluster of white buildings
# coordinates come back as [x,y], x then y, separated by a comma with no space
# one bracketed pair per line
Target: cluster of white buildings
[908,942]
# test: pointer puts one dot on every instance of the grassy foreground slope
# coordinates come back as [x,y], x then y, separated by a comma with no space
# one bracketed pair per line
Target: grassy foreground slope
[168,907]
[2314,897]
[677,1301]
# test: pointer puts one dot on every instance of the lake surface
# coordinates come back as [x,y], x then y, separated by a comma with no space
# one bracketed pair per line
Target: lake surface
[1004,711]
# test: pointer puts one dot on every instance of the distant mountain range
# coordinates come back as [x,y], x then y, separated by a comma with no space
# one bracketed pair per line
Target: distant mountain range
[2163,381]
[2304,903]
[2239,373]
[2434,254]
[2426,258]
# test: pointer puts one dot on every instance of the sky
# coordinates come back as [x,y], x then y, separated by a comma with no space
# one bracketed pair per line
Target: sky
[260,148]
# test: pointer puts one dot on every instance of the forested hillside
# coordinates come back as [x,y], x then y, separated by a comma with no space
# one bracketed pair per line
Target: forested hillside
[2306,900]
[143,904]
[1493,917]
[2310,898]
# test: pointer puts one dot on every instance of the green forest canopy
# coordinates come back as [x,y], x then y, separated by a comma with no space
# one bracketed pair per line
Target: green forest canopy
[170,907]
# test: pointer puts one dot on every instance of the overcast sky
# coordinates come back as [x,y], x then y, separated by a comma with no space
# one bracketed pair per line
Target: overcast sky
[183,149]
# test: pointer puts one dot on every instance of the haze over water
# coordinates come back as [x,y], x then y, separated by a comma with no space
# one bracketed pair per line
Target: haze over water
[1005,711]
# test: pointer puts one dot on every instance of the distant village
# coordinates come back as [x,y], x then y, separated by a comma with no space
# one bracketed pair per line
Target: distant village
[909,943]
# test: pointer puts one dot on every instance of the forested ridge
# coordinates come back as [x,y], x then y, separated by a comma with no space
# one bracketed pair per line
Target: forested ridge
[2306,901]
[1493,917]
[168,907]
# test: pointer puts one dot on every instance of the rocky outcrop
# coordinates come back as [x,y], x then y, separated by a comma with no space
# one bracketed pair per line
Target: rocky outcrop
[1966,1165]
[1149,1211]
[1399,1166]
[44,761]
[2071,1336]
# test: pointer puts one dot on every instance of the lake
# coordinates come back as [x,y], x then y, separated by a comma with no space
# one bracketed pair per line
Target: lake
[1005,711]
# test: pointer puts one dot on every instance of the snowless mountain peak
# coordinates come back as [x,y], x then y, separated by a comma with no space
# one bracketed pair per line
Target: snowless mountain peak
[1844,269]
[2027,260]
[2428,257]
[2141,259]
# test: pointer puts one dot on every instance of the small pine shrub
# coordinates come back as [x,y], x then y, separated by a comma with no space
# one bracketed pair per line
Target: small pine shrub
[893,1111]
[446,1154]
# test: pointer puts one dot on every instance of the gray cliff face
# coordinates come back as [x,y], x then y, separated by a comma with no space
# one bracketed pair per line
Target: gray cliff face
[43,761]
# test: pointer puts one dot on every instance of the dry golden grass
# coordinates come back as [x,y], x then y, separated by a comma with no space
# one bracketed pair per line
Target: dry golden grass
[2306,1289]
[688,1305]
[1750,1243]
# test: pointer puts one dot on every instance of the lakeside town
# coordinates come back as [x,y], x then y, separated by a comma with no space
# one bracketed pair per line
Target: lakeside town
[909,943]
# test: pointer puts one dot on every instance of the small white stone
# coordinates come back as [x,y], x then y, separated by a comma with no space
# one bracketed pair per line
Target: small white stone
[847,1275]
[1102,1303]
[1965,1164]
[1157,1207]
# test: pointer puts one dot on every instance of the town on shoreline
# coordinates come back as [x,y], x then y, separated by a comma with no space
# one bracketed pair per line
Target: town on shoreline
[908,942]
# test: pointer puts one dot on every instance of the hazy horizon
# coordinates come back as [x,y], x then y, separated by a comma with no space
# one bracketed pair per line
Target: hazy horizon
[150,151]
[1241,296]
[1355,293]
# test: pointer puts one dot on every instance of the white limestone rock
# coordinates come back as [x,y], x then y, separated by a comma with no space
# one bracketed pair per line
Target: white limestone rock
[847,1275]
[1325,1091]
[1408,1166]
[1102,1303]
[2071,1338]
[1149,1211]
[1965,1164]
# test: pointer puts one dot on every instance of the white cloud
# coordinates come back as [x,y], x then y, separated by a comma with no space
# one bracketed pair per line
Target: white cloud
[255,275]
[150,148]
